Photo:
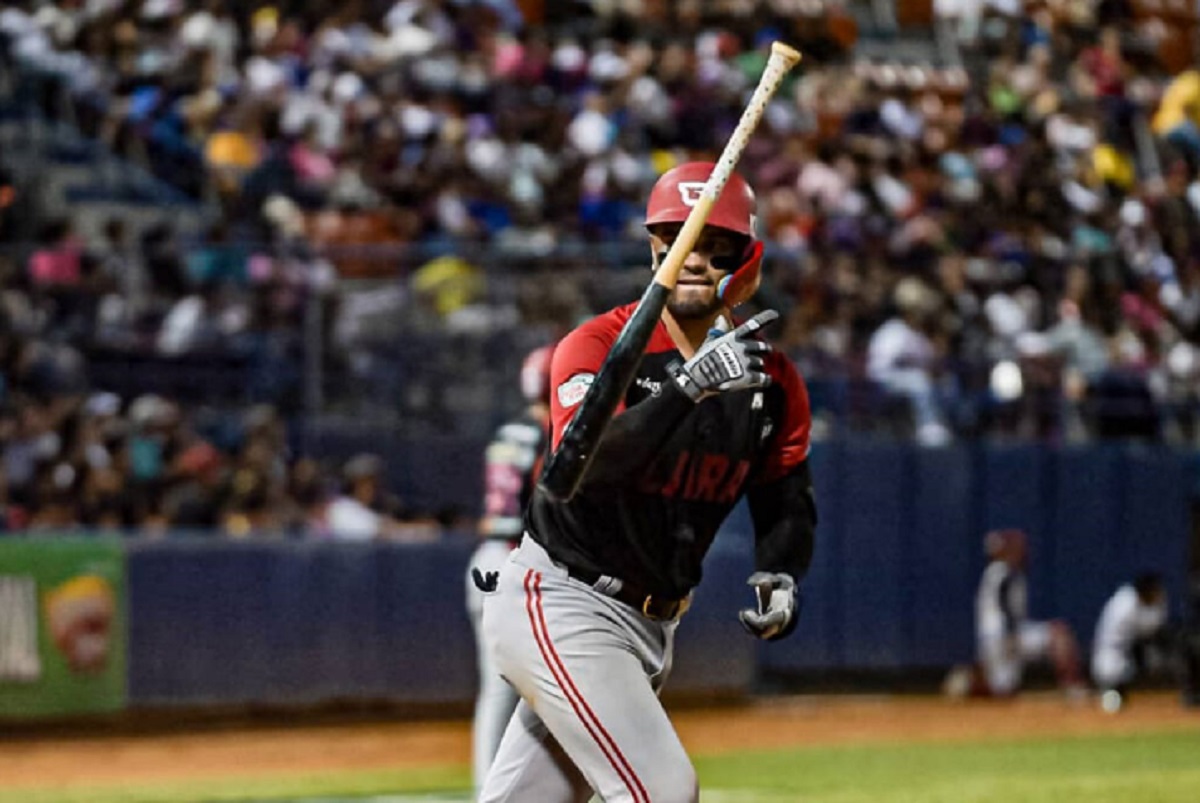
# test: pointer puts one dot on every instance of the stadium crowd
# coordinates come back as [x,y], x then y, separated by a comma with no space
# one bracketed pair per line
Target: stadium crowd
[75,461]
[1006,246]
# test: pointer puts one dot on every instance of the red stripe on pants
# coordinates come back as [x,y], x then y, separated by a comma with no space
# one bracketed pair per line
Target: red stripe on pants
[607,745]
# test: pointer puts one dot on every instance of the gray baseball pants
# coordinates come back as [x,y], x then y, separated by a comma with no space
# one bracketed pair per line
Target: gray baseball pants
[588,669]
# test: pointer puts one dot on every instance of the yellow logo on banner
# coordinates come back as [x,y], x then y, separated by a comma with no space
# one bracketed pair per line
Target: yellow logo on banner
[80,616]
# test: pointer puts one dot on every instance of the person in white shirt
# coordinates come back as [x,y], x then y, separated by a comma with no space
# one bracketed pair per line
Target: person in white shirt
[354,514]
[902,358]
[1134,616]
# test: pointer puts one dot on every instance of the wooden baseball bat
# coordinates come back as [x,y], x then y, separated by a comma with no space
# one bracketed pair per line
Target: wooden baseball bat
[568,464]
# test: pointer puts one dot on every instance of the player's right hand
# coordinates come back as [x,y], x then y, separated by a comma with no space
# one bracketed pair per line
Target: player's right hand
[778,606]
[730,361]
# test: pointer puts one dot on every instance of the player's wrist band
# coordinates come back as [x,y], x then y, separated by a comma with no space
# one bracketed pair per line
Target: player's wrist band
[683,380]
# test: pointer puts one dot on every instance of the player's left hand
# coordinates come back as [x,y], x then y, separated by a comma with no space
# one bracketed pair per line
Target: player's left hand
[778,606]
[726,361]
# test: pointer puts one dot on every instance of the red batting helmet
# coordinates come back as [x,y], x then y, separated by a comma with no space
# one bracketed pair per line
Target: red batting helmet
[678,190]
[1006,544]
[535,375]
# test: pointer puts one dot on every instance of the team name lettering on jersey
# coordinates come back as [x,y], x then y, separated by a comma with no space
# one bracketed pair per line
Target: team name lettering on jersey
[699,477]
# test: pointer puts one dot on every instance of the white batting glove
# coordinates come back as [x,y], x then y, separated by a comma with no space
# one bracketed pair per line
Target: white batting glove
[778,606]
[729,361]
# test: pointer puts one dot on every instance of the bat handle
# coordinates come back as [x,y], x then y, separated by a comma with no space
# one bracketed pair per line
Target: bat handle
[788,54]
[559,479]
[580,440]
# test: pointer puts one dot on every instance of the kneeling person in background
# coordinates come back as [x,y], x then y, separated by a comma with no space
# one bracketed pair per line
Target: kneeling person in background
[1006,638]
[1128,637]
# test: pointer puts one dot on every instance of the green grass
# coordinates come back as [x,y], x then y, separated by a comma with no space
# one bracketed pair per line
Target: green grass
[295,786]
[1147,768]
[1154,768]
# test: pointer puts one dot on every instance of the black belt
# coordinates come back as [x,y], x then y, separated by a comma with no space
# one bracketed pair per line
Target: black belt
[641,600]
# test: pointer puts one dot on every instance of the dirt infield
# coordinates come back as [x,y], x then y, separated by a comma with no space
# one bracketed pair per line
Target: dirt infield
[776,722]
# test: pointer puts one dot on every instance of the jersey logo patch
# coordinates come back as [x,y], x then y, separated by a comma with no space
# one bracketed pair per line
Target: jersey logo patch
[571,392]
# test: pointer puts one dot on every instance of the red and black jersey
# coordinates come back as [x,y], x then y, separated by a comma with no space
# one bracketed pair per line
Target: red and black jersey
[668,471]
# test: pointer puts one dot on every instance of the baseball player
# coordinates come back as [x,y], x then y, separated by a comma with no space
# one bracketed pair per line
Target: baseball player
[583,618]
[1134,616]
[1006,638]
[512,462]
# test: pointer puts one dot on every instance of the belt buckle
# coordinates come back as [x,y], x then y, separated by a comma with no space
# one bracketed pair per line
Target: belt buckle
[678,607]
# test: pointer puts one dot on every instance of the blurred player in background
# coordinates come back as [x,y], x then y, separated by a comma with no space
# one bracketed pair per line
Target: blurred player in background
[1006,639]
[1129,637]
[511,465]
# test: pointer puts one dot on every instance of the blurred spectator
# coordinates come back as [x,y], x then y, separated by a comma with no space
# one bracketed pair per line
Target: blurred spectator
[8,201]
[232,152]
[154,422]
[1177,119]
[903,358]
[57,261]
[126,292]
[355,514]
[453,288]
[248,510]
[199,484]
[164,262]
[307,499]
[1081,352]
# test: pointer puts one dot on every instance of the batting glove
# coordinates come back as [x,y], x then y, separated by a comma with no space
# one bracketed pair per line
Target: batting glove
[778,606]
[726,361]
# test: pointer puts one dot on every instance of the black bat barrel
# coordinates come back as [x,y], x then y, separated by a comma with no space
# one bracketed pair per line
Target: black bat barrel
[565,469]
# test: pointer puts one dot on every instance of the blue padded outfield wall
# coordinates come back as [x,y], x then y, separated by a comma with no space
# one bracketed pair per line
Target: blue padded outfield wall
[899,549]
[214,622]
[217,622]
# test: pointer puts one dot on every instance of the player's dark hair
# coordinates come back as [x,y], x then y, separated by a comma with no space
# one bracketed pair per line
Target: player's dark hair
[1148,583]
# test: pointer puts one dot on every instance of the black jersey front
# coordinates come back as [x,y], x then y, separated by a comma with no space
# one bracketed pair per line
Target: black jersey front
[649,515]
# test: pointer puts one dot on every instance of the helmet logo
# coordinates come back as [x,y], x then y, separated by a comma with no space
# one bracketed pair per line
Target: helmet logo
[690,192]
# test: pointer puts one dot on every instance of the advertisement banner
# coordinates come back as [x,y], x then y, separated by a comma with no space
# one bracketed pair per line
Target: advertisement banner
[63,626]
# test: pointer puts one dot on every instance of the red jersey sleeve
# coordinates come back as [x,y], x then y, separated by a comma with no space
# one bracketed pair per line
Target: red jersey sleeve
[791,444]
[577,360]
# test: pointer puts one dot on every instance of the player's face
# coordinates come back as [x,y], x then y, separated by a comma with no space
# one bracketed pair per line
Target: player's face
[714,256]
